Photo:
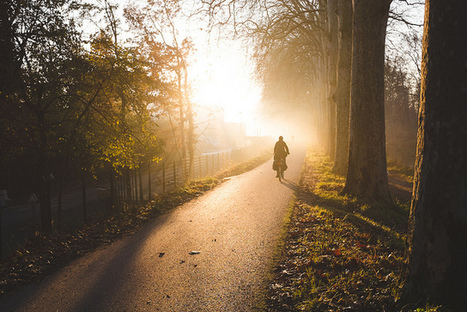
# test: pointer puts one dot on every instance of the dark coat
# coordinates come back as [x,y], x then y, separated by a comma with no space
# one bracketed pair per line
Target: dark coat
[281,150]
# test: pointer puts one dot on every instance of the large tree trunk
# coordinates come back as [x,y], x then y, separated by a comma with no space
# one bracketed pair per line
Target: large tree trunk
[342,95]
[367,169]
[438,249]
[43,192]
[332,54]
[43,176]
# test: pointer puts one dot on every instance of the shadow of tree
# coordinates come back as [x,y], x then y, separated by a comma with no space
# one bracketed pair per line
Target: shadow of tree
[391,218]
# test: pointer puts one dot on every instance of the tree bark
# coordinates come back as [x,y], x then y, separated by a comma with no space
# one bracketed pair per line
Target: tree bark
[367,168]
[342,95]
[84,198]
[43,176]
[149,182]
[127,177]
[438,215]
[9,65]
[140,183]
[112,182]
[332,55]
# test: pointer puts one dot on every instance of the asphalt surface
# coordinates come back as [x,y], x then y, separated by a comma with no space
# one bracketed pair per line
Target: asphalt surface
[211,254]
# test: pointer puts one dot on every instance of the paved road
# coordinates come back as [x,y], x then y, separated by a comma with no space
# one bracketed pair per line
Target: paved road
[231,233]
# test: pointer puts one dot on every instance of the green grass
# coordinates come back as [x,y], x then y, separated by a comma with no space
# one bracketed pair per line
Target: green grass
[242,167]
[406,172]
[340,253]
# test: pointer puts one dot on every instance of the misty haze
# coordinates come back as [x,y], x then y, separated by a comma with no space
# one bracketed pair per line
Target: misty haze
[239,155]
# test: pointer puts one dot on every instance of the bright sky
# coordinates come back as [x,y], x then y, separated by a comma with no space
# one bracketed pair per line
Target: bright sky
[221,76]
[219,71]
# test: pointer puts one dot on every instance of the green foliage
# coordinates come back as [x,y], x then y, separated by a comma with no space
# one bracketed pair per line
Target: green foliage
[78,103]
[91,102]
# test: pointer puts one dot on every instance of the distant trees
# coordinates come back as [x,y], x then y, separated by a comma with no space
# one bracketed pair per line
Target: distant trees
[163,45]
[316,39]
[291,50]
[437,271]
[306,52]
[401,112]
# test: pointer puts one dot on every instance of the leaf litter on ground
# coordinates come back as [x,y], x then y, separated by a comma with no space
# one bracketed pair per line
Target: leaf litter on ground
[339,254]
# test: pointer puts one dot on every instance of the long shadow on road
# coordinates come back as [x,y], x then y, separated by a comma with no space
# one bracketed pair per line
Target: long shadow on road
[236,227]
[291,185]
[86,285]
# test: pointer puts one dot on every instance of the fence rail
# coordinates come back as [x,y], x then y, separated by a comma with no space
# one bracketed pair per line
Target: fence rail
[156,178]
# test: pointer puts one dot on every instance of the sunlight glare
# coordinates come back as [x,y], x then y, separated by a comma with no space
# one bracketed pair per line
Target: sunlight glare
[222,80]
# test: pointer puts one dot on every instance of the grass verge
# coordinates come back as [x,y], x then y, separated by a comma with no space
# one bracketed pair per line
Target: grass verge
[340,254]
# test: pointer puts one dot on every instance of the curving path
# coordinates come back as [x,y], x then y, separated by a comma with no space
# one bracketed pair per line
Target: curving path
[211,254]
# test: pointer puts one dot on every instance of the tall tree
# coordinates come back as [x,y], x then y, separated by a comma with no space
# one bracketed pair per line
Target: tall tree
[367,168]
[9,81]
[156,24]
[438,249]
[342,94]
[332,56]
[401,110]
[9,62]
[293,44]
[45,50]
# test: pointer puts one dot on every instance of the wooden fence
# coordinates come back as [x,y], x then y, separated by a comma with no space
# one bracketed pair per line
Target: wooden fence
[155,178]
[86,198]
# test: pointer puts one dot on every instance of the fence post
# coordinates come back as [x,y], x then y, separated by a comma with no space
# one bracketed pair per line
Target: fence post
[83,194]
[149,181]
[112,188]
[120,189]
[200,168]
[163,177]
[175,175]
[140,182]
[213,163]
[135,179]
